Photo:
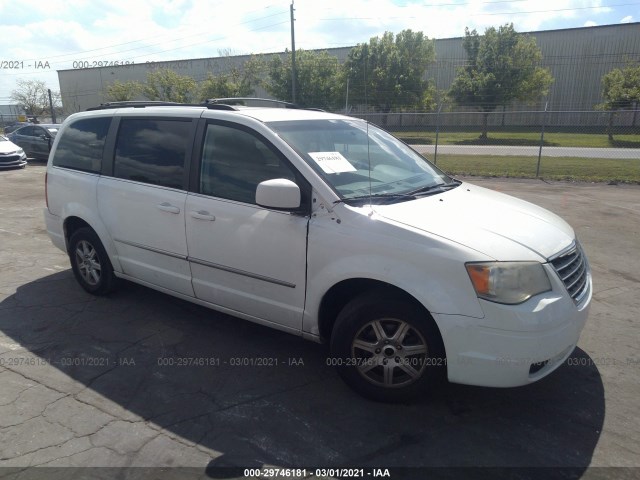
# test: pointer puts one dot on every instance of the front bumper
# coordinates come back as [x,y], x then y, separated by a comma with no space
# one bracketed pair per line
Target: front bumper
[12,161]
[514,345]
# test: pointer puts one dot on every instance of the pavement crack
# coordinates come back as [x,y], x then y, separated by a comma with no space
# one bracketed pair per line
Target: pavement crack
[37,381]
[22,421]
[97,377]
[57,459]
[20,393]
[35,450]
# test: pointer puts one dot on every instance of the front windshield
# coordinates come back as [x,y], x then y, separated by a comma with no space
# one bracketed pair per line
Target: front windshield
[358,159]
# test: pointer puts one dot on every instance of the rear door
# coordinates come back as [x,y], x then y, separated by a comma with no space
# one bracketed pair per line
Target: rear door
[245,257]
[142,199]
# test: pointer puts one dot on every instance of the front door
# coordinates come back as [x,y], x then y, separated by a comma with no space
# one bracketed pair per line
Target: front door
[41,142]
[244,257]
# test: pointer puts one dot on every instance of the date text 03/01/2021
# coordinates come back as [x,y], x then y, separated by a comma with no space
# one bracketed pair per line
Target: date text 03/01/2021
[317,472]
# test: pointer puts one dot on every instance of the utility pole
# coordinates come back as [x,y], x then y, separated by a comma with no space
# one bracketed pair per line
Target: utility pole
[53,112]
[544,120]
[346,100]
[293,57]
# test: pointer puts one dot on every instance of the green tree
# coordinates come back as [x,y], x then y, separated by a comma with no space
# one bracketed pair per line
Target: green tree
[33,96]
[620,90]
[502,66]
[316,74]
[169,86]
[389,72]
[222,86]
[123,91]
[239,82]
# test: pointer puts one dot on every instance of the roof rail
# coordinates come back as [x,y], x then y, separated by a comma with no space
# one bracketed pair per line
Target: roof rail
[212,104]
[155,103]
[256,100]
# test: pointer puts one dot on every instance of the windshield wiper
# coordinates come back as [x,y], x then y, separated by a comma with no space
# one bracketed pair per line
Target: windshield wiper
[402,197]
[385,197]
[433,189]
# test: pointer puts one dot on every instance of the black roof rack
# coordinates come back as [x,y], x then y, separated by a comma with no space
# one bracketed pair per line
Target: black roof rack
[212,103]
[258,102]
[244,101]
[152,103]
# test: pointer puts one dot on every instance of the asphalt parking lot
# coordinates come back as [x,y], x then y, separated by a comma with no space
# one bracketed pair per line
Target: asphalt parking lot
[140,379]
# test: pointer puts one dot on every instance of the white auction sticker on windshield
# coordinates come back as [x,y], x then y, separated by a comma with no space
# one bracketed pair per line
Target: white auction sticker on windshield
[332,162]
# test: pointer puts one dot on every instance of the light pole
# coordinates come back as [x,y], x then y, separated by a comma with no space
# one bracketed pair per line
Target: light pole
[293,57]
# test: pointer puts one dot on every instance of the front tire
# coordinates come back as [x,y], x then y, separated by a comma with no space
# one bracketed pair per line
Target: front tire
[90,263]
[387,348]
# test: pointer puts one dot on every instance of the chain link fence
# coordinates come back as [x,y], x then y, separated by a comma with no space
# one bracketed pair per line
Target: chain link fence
[553,144]
[10,119]
[577,145]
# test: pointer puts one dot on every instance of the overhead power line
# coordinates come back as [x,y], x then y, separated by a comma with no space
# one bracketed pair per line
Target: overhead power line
[512,12]
[198,33]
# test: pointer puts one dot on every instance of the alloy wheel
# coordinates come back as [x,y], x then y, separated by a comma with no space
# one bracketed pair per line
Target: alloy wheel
[390,353]
[88,263]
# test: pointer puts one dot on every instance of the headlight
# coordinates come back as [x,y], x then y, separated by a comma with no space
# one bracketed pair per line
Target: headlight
[508,282]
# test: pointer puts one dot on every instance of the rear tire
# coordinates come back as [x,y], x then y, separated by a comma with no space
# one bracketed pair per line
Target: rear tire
[387,348]
[90,263]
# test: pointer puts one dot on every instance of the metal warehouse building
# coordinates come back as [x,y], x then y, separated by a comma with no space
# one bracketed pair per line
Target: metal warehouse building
[577,57]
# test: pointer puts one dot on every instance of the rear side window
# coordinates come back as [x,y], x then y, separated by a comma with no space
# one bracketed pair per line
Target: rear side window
[152,151]
[81,145]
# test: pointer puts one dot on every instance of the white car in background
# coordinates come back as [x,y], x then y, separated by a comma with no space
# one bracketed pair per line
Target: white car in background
[324,226]
[11,155]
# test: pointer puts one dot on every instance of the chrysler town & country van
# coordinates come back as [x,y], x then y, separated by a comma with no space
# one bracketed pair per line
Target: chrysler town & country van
[324,226]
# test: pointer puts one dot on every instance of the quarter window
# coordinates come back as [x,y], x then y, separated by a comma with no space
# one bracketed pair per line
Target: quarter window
[235,161]
[152,151]
[82,144]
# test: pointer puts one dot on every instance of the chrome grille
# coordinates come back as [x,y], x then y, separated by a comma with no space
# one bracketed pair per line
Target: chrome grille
[571,267]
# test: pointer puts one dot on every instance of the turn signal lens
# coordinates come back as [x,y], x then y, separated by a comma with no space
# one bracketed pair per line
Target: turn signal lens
[480,278]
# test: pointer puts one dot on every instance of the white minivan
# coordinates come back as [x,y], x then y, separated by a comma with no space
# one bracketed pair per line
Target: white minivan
[324,226]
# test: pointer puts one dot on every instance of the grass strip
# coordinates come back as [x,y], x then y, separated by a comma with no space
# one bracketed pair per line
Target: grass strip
[551,168]
[551,139]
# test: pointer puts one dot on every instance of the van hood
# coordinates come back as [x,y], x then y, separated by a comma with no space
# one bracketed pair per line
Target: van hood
[497,225]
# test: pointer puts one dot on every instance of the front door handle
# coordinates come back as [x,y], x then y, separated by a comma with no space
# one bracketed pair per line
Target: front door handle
[167,207]
[203,215]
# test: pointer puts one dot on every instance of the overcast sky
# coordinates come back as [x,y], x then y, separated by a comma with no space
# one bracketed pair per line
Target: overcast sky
[40,38]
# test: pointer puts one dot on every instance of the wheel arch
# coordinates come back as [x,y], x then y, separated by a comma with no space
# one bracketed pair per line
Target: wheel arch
[337,297]
[72,223]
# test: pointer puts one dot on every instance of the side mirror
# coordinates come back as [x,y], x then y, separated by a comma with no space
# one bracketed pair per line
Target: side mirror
[278,193]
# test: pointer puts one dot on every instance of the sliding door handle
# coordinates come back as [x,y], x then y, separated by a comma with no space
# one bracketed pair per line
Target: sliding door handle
[202,215]
[167,207]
